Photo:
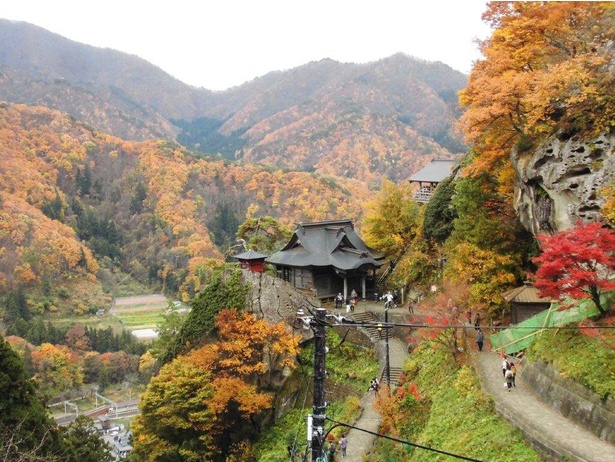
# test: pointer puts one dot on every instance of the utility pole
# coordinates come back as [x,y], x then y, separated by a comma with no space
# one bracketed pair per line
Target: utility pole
[316,420]
[386,337]
[320,373]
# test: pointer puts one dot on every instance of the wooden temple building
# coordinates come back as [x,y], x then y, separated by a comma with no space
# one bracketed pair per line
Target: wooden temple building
[525,302]
[430,176]
[326,258]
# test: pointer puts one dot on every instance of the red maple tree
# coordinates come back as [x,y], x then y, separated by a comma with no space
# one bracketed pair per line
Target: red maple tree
[577,262]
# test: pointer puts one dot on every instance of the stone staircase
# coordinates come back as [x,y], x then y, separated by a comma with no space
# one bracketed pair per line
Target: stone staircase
[374,333]
[395,375]
[377,335]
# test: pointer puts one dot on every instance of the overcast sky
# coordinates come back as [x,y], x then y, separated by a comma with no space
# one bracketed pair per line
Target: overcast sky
[223,43]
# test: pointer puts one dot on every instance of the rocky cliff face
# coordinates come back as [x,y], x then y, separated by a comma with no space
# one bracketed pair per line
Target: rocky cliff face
[559,182]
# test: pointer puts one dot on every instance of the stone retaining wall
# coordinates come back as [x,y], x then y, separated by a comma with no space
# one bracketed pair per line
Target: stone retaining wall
[572,400]
[548,451]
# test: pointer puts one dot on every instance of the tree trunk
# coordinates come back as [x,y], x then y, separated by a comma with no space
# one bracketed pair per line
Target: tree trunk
[595,295]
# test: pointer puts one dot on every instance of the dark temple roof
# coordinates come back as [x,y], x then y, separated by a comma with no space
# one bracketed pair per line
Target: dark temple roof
[326,243]
[250,255]
[434,172]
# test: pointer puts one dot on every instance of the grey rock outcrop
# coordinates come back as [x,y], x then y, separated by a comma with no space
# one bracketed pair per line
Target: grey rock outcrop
[276,301]
[559,182]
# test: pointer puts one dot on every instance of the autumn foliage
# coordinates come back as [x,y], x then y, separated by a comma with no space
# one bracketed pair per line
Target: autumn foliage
[204,403]
[444,311]
[547,69]
[72,198]
[578,262]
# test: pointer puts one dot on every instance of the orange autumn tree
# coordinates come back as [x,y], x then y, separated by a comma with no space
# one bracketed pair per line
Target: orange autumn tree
[57,369]
[213,394]
[546,69]
[254,350]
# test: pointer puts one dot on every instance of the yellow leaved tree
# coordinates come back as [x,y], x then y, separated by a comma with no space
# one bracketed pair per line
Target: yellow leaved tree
[547,69]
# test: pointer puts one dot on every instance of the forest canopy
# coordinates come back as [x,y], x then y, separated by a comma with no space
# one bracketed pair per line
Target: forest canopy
[547,69]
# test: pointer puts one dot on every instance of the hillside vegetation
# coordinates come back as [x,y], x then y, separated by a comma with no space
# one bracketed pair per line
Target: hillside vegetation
[388,117]
[79,205]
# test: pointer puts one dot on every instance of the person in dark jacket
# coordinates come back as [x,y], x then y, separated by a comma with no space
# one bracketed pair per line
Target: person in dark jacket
[480,338]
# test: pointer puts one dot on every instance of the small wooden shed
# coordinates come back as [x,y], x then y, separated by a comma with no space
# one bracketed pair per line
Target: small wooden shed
[252,260]
[525,302]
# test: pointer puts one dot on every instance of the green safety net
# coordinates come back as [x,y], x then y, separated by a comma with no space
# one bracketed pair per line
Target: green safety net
[520,336]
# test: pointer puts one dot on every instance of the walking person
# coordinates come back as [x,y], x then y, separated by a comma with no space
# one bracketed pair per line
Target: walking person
[480,338]
[513,369]
[343,445]
[388,300]
[477,322]
[509,379]
[505,367]
[331,452]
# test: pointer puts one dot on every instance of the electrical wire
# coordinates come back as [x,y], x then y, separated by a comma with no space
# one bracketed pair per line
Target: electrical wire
[390,325]
[466,326]
[416,445]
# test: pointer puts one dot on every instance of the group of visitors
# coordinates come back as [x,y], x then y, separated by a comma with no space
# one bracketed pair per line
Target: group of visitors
[350,301]
[333,448]
[509,370]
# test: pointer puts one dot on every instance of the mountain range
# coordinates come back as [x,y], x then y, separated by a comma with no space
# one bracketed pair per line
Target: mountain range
[111,166]
[389,117]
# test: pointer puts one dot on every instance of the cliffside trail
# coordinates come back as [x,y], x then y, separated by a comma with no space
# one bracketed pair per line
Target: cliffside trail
[549,431]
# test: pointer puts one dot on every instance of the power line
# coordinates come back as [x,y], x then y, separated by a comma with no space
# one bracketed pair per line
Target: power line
[466,326]
[416,445]
[384,325]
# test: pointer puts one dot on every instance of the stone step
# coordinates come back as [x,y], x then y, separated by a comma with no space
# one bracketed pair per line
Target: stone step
[373,332]
[395,372]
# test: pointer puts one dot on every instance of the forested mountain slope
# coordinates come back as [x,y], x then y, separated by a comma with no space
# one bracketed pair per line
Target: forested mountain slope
[399,111]
[74,202]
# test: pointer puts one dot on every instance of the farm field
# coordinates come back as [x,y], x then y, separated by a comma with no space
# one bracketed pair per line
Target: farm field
[141,315]
[140,312]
